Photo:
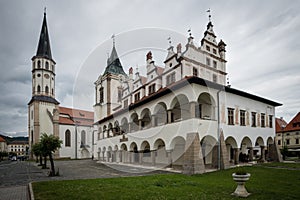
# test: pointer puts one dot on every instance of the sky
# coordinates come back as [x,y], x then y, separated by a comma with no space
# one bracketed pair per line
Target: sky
[262,37]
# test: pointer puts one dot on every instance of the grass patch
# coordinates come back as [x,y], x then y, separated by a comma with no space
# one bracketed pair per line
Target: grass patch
[283,165]
[264,183]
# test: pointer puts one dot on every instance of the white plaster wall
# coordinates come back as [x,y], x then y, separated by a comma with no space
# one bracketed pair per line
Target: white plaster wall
[46,125]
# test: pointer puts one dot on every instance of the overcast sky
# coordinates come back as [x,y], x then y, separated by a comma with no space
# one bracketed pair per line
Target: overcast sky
[262,37]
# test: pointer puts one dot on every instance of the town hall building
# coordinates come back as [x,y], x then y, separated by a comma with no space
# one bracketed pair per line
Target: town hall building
[181,115]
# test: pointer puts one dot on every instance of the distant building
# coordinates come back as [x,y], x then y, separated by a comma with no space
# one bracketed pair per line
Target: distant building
[45,115]
[288,134]
[18,147]
[3,145]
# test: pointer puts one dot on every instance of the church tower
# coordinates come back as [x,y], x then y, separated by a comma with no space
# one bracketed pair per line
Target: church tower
[109,87]
[43,107]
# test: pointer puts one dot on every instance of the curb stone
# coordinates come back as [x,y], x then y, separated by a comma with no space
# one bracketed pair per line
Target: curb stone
[30,191]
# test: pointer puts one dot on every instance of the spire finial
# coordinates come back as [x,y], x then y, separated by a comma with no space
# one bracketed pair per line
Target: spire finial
[190,32]
[45,9]
[209,15]
[113,37]
[170,42]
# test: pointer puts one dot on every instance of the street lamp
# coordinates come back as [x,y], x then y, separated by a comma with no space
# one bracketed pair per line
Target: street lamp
[282,135]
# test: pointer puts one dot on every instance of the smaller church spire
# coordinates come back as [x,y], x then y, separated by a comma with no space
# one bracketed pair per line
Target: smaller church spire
[44,49]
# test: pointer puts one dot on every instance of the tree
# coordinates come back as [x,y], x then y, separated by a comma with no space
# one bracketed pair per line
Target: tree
[37,151]
[50,144]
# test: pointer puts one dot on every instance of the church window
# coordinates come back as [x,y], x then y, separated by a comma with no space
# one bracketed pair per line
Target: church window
[253,117]
[170,65]
[151,89]
[270,121]
[214,51]
[195,71]
[32,114]
[47,89]
[137,97]
[53,68]
[68,138]
[39,64]
[208,61]
[262,120]
[215,64]
[297,141]
[215,78]
[38,89]
[207,48]
[230,116]
[47,65]
[52,91]
[242,117]
[101,95]
[83,137]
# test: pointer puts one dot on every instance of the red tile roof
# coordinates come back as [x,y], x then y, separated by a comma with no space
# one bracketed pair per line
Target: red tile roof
[2,139]
[76,116]
[294,124]
[279,124]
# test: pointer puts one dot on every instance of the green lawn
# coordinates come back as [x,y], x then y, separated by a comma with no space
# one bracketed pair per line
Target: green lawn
[264,183]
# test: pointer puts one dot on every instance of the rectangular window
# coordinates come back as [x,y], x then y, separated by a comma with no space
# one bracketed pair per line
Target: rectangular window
[170,78]
[242,118]
[297,141]
[151,89]
[270,121]
[230,116]
[101,95]
[208,61]
[215,78]
[215,64]
[137,97]
[287,141]
[195,71]
[253,119]
[279,142]
[207,48]
[262,120]
[125,103]
[119,94]
[214,51]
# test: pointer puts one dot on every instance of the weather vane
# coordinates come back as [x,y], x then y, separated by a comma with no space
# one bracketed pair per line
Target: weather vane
[170,42]
[190,32]
[113,37]
[209,15]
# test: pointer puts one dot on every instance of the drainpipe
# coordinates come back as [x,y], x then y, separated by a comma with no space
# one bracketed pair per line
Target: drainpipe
[219,142]
[75,141]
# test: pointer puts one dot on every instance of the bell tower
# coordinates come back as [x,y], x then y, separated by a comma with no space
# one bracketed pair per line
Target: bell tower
[43,103]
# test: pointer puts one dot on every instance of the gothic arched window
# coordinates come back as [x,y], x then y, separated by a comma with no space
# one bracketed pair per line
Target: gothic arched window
[38,89]
[47,65]
[83,137]
[47,89]
[39,64]
[68,138]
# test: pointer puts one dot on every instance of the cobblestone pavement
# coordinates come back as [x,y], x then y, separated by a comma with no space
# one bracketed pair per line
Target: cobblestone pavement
[15,176]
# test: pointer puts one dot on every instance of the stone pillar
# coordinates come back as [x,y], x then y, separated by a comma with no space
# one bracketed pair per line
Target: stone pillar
[153,155]
[129,127]
[250,153]
[140,124]
[169,116]
[130,156]
[103,156]
[120,152]
[262,158]
[141,157]
[236,155]
[169,155]
[193,109]
[192,159]
[153,118]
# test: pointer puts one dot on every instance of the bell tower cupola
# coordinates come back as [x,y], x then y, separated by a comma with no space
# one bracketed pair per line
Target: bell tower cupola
[43,66]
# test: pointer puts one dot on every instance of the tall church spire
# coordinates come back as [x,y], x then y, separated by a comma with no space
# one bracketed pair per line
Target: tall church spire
[44,49]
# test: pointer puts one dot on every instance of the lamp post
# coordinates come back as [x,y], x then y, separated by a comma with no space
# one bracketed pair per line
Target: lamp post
[282,135]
